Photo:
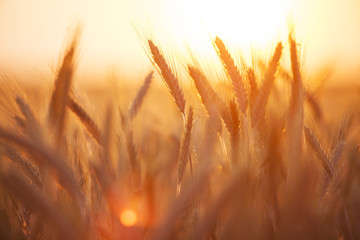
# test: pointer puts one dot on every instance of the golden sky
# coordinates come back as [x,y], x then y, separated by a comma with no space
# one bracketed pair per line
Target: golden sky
[33,32]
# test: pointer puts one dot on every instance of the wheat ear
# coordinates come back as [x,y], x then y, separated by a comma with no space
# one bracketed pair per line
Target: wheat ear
[296,108]
[258,112]
[28,167]
[318,150]
[211,101]
[33,126]
[185,149]
[47,156]
[138,101]
[169,78]
[234,131]
[233,73]
[85,119]
[253,86]
[38,203]
[60,94]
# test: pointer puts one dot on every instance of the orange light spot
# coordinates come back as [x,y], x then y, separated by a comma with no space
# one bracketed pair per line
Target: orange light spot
[128,217]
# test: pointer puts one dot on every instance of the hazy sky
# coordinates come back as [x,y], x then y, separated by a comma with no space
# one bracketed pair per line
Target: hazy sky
[33,32]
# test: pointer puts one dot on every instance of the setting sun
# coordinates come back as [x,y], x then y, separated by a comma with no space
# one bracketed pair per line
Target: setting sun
[243,21]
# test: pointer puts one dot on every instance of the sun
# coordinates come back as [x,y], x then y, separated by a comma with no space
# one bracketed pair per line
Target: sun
[244,22]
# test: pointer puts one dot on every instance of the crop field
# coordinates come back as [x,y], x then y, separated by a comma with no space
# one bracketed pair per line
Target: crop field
[247,151]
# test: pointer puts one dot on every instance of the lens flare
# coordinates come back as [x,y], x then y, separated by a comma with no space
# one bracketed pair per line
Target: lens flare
[128,217]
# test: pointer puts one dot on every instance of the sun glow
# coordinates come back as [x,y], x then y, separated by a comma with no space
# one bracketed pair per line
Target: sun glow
[256,23]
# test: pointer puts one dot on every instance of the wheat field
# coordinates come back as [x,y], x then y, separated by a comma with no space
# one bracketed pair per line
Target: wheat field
[259,155]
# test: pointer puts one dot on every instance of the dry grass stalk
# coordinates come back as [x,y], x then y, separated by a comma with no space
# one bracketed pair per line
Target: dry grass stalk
[185,150]
[233,73]
[169,78]
[139,99]
[318,150]
[258,112]
[85,119]
[60,95]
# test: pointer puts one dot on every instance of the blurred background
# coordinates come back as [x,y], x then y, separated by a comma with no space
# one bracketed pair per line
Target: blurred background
[33,34]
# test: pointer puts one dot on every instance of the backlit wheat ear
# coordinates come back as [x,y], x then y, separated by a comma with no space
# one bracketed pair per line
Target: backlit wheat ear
[205,90]
[39,203]
[296,108]
[297,90]
[169,78]
[318,150]
[48,157]
[258,112]
[185,150]
[233,73]
[138,101]
[253,86]
[234,131]
[60,94]
[211,101]
[33,125]
[30,170]
[85,119]
[338,144]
